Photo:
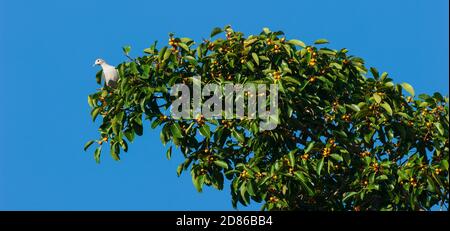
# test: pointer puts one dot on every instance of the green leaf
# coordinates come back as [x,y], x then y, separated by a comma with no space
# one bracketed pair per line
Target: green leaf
[348,195]
[387,107]
[148,50]
[404,115]
[115,127]
[346,156]
[375,73]
[431,187]
[205,131]
[309,147]
[337,157]
[133,68]
[264,58]
[169,153]
[243,191]
[221,164]
[372,178]
[329,166]
[326,81]
[304,183]
[368,136]
[145,71]
[250,188]
[382,177]
[354,107]
[408,88]
[161,53]
[124,145]
[340,133]
[97,154]
[88,144]
[176,130]
[444,164]
[184,46]
[197,182]
[115,150]
[377,97]
[91,102]
[240,137]
[327,51]
[164,135]
[94,113]
[389,84]
[319,166]
[216,31]
[336,65]
[138,129]
[320,41]
[250,66]
[126,49]
[256,58]
[266,30]
[129,134]
[291,155]
[440,128]
[191,59]
[179,169]
[297,43]
[167,54]
[186,40]
[292,80]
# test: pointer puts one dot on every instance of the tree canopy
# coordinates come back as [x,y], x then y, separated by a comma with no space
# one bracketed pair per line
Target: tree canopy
[348,138]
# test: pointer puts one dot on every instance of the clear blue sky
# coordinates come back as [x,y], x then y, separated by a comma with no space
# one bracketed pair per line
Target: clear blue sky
[47,49]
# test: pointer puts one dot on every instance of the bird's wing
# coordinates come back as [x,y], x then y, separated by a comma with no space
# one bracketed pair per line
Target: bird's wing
[111,75]
[107,71]
[116,74]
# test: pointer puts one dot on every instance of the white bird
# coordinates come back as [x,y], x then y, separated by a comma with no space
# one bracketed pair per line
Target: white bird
[110,73]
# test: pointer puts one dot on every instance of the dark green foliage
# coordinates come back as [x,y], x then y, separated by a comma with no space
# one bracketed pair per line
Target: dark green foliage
[345,141]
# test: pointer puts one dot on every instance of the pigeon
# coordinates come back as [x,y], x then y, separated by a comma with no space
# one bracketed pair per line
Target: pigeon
[110,73]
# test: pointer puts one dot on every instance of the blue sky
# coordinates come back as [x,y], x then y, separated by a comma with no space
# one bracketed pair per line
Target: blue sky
[46,53]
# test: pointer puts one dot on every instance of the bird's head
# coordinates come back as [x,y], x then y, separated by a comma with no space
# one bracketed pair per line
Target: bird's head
[99,62]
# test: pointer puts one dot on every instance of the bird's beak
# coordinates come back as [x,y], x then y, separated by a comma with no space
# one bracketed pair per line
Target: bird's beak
[94,65]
